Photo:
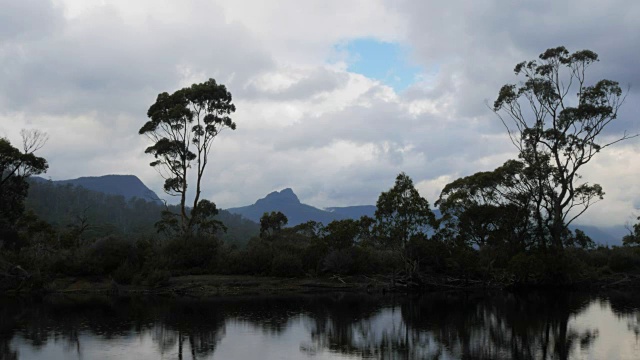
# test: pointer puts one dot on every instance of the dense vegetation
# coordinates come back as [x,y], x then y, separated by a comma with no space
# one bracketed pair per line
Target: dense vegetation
[507,226]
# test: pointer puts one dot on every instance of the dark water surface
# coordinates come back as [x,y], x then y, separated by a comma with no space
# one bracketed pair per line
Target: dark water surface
[332,326]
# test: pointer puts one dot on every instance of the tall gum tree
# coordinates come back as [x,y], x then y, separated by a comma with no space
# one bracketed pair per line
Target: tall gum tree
[182,127]
[16,166]
[556,119]
[402,213]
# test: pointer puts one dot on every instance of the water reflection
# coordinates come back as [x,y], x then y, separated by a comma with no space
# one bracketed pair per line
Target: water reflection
[433,326]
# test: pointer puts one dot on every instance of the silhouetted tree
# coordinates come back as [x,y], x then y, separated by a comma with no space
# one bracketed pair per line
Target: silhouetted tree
[558,133]
[402,213]
[15,167]
[272,223]
[182,127]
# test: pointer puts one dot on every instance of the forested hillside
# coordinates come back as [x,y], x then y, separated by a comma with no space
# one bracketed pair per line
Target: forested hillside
[99,214]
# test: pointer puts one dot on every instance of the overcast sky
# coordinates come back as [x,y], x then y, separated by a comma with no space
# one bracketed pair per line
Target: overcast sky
[334,98]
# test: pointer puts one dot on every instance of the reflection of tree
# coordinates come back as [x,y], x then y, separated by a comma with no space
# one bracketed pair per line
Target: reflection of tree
[625,305]
[6,353]
[433,326]
[509,326]
[201,324]
[530,326]
[7,324]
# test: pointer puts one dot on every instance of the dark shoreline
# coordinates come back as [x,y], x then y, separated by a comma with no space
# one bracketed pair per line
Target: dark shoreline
[208,286]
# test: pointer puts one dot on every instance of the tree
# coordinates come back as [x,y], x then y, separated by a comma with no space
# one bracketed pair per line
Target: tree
[402,213]
[558,133]
[182,127]
[15,167]
[342,234]
[633,239]
[271,224]
[488,208]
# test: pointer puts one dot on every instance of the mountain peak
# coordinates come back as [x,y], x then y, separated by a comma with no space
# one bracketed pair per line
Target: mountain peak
[284,196]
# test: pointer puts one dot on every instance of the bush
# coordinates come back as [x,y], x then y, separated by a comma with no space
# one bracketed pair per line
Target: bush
[338,262]
[287,265]
[623,259]
[108,253]
[430,254]
[526,268]
[66,262]
[125,273]
[259,257]
[232,261]
[192,254]
[158,277]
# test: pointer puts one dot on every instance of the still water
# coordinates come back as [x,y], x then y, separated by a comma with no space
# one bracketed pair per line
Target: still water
[332,326]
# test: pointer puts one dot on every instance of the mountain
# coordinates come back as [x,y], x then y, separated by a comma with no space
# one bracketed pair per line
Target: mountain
[288,203]
[107,213]
[128,186]
[609,235]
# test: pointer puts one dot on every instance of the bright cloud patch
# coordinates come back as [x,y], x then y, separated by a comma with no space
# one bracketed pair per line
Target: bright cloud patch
[383,61]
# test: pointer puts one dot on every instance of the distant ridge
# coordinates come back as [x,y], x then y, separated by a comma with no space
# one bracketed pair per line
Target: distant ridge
[129,186]
[287,202]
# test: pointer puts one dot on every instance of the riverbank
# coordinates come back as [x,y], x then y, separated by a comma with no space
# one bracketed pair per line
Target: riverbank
[204,286]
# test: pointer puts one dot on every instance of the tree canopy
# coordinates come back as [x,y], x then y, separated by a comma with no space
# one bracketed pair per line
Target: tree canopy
[402,213]
[556,119]
[182,127]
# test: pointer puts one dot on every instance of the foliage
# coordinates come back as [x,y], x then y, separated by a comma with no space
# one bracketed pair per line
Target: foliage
[287,265]
[271,224]
[342,234]
[633,239]
[182,127]
[558,135]
[402,213]
[16,166]
[65,207]
[197,253]
[488,209]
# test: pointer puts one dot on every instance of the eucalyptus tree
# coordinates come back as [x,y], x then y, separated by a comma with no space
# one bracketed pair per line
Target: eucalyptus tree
[488,208]
[402,213]
[182,127]
[16,166]
[272,223]
[556,118]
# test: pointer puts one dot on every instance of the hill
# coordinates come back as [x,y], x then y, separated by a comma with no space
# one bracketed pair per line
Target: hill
[128,186]
[64,204]
[287,202]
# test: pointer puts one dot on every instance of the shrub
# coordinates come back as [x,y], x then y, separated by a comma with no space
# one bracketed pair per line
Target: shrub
[158,277]
[125,273]
[259,257]
[624,259]
[192,254]
[287,265]
[108,253]
[338,262]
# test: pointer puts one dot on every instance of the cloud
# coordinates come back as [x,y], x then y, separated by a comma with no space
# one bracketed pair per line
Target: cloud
[86,72]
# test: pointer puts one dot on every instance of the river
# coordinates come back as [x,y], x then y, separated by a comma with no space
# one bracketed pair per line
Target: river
[445,325]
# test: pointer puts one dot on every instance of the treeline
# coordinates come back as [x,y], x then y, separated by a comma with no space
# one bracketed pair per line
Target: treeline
[508,226]
[78,232]
[89,215]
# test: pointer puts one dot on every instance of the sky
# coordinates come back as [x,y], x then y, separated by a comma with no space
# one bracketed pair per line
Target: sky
[334,97]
